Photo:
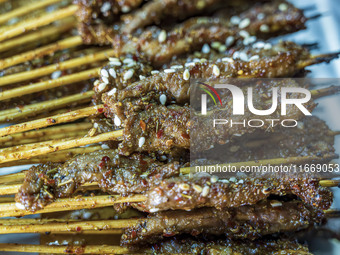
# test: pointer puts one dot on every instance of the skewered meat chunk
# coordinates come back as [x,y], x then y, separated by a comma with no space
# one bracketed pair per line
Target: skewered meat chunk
[114,174]
[230,247]
[200,191]
[244,222]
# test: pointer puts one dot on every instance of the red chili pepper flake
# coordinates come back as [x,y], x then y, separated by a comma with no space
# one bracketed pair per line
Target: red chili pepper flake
[168,234]
[185,136]
[78,229]
[107,173]
[160,133]
[100,110]
[41,175]
[135,58]
[144,182]
[101,164]
[133,234]
[106,159]
[171,185]
[143,162]
[142,125]
[50,181]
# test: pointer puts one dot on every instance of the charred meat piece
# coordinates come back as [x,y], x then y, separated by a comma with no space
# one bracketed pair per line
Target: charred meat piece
[230,247]
[244,222]
[114,174]
[159,46]
[186,193]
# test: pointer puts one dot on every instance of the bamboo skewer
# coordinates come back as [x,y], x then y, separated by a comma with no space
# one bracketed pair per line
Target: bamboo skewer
[44,85]
[37,35]
[36,22]
[33,109]
[11,178]
[26,9]
[45,50]
[31,74]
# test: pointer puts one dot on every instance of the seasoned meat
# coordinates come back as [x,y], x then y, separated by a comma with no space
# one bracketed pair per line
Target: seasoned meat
[187,193]
[244,222]
[114,174]
[230,247]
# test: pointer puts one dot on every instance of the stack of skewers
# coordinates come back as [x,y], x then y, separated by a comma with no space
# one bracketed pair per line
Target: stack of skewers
[105,111]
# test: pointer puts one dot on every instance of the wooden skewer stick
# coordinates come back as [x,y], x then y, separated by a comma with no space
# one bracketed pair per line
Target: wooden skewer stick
[37,35]
[37,22]
[34,109]
[12,178]
[52,120]
[53,146]
[69,204]
[25,9]
[46,132]
[60,249]
[31,74]
[317,93]
[44,85]
[45,50]
[329,183]
[316,59]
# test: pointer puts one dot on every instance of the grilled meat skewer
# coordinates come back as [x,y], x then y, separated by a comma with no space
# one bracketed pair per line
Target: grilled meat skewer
[244,222]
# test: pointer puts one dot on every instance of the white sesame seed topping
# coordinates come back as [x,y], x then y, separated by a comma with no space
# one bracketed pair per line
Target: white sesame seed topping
[244,23]
[243,56]
[96,82]
[162,99]
[235,20]
[154,72]
[163,158]
[105,146]
[215,45]
[127,60]
[105,7]
[104,73]
[95,125]
[114,60]
[230,60]
[264,28]
[232,179]
[170,70]
[197,188]
[260,16]
[176,67]
[205,191]
[202,60]
[56,74]
[118,122]
[222,48]
[275,203]
[196,60]
[128,75]
[244,34]
[105,80]
[224,180]
[20,206]
[230,40]
[267,46]
[113,73]
[115,63]
[101,86]
[125,9]
[255,57]
[131,64]
[141,141]
[216,70]
[162,36]
[184,186]
[112,92]
[186,75]
[189,64]
[142,77]
[240,181]
[153,210]
[249,40]
[213,179]
[283,7]
[259,45]
[205,49]
[236,55]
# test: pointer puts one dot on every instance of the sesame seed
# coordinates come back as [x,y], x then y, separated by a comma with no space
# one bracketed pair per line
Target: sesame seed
[56,74]
[128,75]
[154,72]
[153,210]
[244,34]
[215,45]
[131,64]
[104,73]
[142,77]
[205,49]
[243,56]
[127,60]
[20,206]
[170,70]
[162,36]
[118,122]
[162,99]
[114,60]
[230,40]
[186,75]
[141,141]
[95,125]
[197,188]
[125,9]
[105,146]
[205,191]
[260,16]
[113,73]
[230,60]
[112,91]
[224,180]
[177,67]
[105,7]
[222,48]
[249,40]
[244,23]
[184,186]
[232,179]
[96,82]
[196,60]
[102,86]
[283,7]
[240,181]
[259,45]
[105,80]
[214,179]
[216,70]
[275,203]
[92,131]
[163,158]
[264,28]
[267,46]
[236,55]
[235,20]
[255,57]
[115,63]
[189,64]
[202,60]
